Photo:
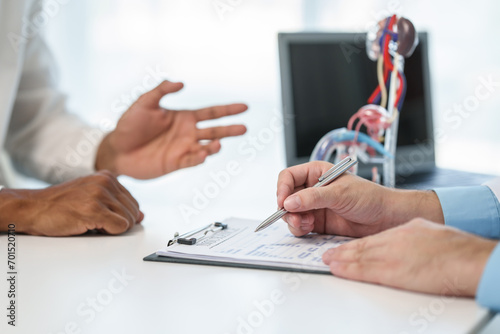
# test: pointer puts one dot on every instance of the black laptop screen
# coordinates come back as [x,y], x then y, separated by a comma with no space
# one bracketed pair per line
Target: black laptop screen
[328,87]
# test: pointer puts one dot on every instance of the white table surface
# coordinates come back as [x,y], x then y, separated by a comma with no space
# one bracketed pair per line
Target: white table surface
[58,277]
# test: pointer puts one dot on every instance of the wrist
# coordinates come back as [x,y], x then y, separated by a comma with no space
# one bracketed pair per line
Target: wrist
[106,156]
[479,263]
[409,204]
[474,262]
[15,209]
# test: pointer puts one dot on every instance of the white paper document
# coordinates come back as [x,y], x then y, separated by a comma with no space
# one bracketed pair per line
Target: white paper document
[272,247]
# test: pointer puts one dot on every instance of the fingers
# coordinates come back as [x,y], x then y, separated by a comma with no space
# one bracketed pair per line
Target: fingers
[114,223]
[199,153]
[310,199]
[367,259]
[286,186]
[332,196]
[152,98]
[219,132]
[418,256]
[359,250]
[298,177]
[355,271]
[212,147]
[219,111]
[130,203]
[141,217]
[193,159]
[354,260]
[123,195]
[299,224]
[122,209]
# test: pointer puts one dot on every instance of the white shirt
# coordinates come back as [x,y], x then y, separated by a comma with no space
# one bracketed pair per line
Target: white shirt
[42,139]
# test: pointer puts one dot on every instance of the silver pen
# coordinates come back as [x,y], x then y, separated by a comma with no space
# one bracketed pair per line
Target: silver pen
[325,179]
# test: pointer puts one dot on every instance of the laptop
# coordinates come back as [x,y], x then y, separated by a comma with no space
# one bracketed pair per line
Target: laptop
[327,77]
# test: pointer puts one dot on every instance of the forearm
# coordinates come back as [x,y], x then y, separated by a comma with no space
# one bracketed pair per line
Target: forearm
[405,205]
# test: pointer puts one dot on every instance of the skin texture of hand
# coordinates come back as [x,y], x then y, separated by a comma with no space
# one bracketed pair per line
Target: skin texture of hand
[95,202]
[419,256]
[350,205]
[150,141]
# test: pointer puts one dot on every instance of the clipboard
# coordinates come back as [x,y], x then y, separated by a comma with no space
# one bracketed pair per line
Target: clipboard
[233,243]
[156,258]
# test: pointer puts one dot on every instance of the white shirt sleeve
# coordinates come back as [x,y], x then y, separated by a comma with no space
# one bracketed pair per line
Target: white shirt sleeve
[44,140]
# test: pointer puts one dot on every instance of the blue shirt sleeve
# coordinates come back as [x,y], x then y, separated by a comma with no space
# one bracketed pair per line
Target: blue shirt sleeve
[477,210]
[488,291]
[471,209]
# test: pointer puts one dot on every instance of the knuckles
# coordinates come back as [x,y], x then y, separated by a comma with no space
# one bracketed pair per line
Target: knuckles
[101,185]
[104,178]
[315,197]
[98,192]
[322,165]
[283,173]
[91,207]
[359,248]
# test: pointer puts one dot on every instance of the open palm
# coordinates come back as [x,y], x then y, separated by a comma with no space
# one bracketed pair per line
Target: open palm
[150,141]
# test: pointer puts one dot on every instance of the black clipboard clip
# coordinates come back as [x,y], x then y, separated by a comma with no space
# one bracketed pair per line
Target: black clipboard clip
[188,239]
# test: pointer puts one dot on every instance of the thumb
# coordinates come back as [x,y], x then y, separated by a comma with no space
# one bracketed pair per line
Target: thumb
[310,199]
[152,98]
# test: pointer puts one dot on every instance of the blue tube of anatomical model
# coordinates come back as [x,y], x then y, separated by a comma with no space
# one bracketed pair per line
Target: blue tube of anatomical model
[327,144]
